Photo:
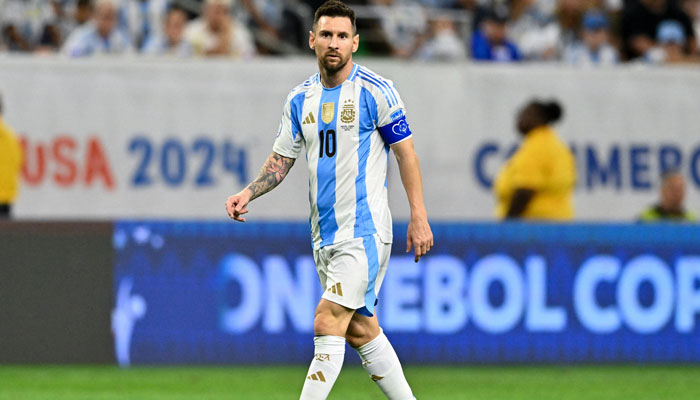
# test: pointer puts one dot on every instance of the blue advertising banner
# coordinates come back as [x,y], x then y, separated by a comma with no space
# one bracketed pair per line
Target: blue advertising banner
[190,292]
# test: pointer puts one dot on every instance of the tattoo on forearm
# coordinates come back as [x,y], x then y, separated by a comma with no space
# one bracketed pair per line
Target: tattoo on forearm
[272,173]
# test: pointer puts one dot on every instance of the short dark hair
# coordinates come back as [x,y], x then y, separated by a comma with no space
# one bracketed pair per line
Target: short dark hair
[550,111]
[335,8]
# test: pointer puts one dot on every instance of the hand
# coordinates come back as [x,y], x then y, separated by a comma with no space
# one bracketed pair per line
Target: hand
[419,236]
[237,204]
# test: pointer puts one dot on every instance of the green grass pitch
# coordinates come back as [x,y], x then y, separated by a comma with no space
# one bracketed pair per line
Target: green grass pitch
[659,382]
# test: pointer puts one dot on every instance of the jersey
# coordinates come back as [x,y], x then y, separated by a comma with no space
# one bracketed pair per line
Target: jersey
[346,131]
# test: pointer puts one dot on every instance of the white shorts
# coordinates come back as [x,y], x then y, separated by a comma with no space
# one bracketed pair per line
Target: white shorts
[351,272]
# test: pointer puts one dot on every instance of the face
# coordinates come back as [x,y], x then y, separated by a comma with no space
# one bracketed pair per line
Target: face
[692,8]
[594,39]
[673,192]
[105,19]
[175,25]
[334,42]
[216,15]
[528,119]
[83,13]
[495,31]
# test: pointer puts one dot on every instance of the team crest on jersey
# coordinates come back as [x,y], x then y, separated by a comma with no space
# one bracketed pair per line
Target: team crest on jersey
[348,114]
[327,112]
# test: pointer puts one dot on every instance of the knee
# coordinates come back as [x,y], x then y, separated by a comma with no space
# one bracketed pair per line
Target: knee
[323,324]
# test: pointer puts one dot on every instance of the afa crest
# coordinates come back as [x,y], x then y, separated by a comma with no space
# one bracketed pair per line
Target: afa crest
[348,114]
[327,112]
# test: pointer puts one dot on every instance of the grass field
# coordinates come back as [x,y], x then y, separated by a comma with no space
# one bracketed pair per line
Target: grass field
[429,383]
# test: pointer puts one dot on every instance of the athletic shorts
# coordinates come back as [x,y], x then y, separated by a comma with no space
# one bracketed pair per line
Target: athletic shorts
[351,272]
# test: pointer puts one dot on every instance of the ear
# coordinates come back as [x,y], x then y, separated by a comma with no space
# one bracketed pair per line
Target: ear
[312,39]
[355,43]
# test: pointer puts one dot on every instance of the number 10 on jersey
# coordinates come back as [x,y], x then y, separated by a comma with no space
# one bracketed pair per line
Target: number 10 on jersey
[327,137]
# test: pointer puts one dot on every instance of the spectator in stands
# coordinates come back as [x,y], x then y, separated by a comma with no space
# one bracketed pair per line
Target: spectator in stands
[537,182]
[477,11]
[71,15]
[595,48]
[670,206]
[142,20]
[692,9]
[279,24]
[100,36]
[24,23]
[217,33]
[10,164]
[443,43]
[404,24]
[532,27]
[173,43]
[569,19]
[490,42]
[672,40]
[640,25]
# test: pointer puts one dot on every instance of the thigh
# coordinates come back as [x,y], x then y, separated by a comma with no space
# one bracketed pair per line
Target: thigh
[347,274]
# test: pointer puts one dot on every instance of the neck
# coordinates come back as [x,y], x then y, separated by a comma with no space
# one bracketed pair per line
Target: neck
[333,79]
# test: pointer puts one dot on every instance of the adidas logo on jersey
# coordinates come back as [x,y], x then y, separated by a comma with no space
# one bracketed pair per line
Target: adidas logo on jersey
[336,289]
[309,119]
[318,376]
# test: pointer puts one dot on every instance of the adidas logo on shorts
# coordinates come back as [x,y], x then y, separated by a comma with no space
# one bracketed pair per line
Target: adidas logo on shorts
[336,289]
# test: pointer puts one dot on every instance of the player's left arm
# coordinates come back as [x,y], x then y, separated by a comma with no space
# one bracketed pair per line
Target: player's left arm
[419,235]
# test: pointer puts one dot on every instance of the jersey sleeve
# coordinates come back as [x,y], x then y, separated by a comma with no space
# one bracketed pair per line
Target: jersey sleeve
[391,115]
[289,138]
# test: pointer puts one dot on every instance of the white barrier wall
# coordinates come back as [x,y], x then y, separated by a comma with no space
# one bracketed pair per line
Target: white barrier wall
[144,138]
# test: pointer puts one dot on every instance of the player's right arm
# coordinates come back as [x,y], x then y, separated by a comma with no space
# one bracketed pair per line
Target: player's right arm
[271,174]
[284,152]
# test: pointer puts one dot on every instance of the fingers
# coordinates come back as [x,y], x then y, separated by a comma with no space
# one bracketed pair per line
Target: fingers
[422,248]
[408,244]
[235,208]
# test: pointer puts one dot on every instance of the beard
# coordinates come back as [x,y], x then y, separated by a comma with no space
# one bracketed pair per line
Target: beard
[332,67]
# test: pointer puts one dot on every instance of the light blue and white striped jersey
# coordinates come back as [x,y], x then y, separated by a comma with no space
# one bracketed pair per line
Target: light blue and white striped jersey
[346,131]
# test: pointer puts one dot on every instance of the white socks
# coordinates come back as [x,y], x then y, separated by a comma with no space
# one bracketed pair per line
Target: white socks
[328,360]
[382,364]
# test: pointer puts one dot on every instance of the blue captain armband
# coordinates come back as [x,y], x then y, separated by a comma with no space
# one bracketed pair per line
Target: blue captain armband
[396,131]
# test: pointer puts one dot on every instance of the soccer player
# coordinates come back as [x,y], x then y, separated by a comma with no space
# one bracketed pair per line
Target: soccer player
[347,117]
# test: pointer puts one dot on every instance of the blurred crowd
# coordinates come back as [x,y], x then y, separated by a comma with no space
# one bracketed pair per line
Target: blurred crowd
[577,32]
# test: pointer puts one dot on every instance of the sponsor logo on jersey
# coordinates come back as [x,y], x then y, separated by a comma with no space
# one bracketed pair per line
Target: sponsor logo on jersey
[327,112]
[309,119]
[348,114]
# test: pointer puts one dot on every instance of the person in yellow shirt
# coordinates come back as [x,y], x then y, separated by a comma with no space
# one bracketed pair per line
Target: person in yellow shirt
[670,206]
[10,164]
[538,181]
